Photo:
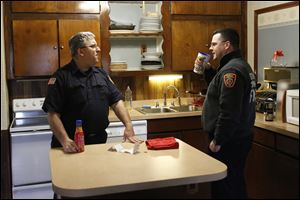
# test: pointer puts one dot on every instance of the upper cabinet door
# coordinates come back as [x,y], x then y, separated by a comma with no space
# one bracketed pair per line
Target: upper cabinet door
[206,7]
[35,47]
[34,6]
[56,6]
[188,38]
[67,28]
[78,7]
[192,36]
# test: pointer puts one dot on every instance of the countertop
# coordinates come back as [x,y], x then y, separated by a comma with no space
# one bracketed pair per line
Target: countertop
[136,115]
[97,171]
[275,126]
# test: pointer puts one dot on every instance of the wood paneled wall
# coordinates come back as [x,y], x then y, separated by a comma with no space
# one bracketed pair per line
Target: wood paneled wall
[142,88]
[31,88]
[27,88]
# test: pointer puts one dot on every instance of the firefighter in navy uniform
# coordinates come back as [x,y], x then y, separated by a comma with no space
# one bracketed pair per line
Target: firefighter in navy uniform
[79,90]
[229,112]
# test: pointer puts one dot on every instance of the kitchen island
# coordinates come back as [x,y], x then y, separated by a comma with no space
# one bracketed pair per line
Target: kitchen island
[272,168]
[99,171]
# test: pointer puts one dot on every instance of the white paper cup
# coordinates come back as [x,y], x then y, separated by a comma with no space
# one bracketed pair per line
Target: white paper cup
[204,58]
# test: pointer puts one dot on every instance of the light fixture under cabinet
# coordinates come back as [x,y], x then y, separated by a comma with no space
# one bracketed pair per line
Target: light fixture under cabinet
[165,77]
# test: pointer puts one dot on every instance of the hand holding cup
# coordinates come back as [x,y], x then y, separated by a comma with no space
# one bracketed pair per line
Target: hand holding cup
[201,62]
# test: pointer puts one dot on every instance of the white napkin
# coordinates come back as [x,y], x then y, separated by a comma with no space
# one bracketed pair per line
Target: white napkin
[121,149]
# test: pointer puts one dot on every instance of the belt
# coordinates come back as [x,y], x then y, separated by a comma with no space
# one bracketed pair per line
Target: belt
[96,134]
[95,138]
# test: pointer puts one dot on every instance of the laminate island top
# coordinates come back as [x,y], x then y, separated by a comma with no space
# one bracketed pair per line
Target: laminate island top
[98,171]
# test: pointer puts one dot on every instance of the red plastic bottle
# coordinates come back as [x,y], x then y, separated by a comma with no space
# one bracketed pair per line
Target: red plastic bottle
[79,136]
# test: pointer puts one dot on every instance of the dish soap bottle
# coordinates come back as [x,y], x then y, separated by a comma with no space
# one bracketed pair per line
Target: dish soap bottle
[79,136]
[128,97]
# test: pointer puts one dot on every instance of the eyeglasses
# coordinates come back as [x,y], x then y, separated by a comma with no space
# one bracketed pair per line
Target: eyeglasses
[215,43]
[93,46]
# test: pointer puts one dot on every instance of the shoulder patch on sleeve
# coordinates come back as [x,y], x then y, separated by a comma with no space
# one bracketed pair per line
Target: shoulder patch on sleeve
[229,79]
[51,81]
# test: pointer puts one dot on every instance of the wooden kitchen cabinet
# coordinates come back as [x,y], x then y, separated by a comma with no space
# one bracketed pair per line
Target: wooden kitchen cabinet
[188,129]
[192,36]
[41,46]
[133,42]
[196,138]
[67,28]
[37,34]
[193,24]
[206,7]
[272,169]
[56,6]
[35,47]
[187,28]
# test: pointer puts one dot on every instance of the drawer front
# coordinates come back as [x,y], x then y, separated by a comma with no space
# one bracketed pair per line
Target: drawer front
[288,145]
[264,137]
[174,124]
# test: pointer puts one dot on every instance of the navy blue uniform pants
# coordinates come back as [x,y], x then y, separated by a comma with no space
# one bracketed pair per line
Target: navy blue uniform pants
[234,155]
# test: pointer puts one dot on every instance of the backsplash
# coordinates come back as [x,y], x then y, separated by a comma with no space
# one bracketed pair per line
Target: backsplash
[142,88]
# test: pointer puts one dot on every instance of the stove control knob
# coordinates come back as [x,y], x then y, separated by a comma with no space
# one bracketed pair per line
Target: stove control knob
[33,103]
[24,104]
[17,105]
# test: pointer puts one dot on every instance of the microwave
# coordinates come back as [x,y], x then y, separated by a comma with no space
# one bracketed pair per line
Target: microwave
[292,106]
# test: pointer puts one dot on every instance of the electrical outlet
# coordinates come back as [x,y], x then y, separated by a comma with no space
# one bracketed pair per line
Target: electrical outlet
[143,48]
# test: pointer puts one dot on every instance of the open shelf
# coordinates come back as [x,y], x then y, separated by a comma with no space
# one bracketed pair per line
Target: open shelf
[137,72]
[131,34]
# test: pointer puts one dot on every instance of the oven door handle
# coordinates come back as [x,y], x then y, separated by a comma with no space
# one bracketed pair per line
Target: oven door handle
[35,133]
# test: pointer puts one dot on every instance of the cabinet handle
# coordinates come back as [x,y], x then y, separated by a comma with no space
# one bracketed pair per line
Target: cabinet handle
[206,45]
[54,47]
[61,47]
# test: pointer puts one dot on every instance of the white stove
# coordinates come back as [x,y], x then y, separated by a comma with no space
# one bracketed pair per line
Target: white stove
[30,144]
[28,115]
[31,104]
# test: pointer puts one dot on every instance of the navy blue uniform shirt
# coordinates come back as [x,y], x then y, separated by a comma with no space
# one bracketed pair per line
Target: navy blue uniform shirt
[81,95]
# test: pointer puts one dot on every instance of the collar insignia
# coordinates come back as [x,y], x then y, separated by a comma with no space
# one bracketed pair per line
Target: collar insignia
[51,81]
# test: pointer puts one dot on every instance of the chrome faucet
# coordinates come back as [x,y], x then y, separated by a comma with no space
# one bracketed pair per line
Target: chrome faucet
[165,94]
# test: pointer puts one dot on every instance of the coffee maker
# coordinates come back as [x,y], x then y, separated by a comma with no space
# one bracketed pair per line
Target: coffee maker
[269,109]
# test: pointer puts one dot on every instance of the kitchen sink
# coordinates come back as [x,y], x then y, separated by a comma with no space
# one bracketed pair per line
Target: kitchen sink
[155,110]
[185,108]
[171,109]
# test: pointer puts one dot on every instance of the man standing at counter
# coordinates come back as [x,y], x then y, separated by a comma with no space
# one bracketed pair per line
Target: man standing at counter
[229,111]
[80,90]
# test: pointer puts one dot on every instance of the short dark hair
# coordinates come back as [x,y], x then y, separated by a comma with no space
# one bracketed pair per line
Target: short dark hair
[230,35]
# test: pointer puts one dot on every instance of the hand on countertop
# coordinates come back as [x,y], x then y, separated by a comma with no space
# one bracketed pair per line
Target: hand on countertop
[133,139]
